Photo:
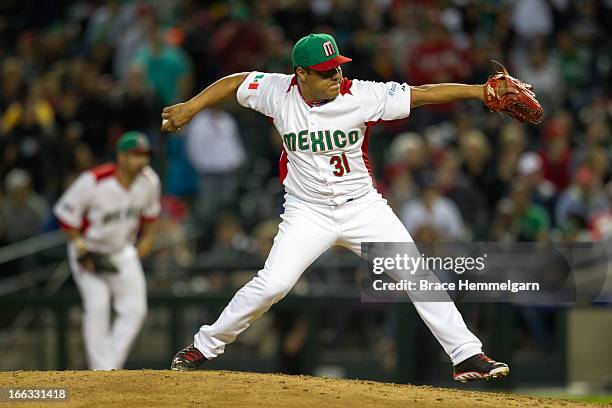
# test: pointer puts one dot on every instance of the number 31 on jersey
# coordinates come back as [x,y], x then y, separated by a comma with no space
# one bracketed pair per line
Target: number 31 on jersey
[341,165]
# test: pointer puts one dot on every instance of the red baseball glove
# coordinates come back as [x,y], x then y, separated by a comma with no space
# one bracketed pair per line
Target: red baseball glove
[504,93]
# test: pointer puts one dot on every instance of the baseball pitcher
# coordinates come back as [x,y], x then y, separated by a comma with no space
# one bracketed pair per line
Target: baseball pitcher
[101,213]
[324,120]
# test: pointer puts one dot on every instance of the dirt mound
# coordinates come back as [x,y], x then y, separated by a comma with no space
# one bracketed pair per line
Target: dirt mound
[231,389]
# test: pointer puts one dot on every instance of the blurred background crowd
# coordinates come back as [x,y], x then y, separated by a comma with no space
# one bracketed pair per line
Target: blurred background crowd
[76,74]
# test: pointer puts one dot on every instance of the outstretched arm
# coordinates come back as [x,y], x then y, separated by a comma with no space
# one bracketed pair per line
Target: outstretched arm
[444,93]
[176,116]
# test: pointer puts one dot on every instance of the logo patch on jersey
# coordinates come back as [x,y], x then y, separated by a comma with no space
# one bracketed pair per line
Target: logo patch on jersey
[393,89]
[328,48]
[255,83]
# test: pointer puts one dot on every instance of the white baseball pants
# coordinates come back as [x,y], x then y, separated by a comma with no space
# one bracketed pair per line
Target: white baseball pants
[107,346]
[306,231]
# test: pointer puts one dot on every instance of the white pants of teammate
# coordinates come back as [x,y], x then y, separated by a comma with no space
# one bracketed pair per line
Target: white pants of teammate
[108,346]
[308,230]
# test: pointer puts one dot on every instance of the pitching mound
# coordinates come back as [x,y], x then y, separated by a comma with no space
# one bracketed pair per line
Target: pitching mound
[231,389]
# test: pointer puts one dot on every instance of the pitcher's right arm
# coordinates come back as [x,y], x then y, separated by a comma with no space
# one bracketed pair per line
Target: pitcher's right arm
[176,116]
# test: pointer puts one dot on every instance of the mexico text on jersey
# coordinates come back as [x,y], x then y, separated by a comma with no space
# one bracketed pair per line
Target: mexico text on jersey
[325,156]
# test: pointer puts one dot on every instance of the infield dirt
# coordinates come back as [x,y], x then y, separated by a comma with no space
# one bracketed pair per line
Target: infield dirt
[147,388]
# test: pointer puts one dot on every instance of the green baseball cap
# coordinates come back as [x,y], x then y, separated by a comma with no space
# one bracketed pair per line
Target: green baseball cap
[133,141]
[318,52]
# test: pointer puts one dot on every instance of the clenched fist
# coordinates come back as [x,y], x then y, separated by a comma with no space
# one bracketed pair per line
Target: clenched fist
[176,116]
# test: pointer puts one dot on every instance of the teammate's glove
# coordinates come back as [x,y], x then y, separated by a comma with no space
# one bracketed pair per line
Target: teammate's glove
[100,263]
[521,105]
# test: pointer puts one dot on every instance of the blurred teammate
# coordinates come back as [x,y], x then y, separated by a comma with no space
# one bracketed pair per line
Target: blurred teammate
[324,120]
[102,212]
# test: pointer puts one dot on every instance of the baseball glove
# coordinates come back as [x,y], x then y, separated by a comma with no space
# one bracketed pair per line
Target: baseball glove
[101,263]
[522,105]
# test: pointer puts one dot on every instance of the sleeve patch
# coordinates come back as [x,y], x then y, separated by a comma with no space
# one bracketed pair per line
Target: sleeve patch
[255,83]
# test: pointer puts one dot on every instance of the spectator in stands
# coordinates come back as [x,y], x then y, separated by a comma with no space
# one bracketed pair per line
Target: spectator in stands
[583,198]
[596,140]
[22,212]
[230,235]
[573,62]
[135,106]
[108,23]
[437,59]
[31,111]
[239,45]
[27,127]
[556,154]
[137,18]
[94,110]
[532,19]
[519,219]
[175,251]
[469,200]
[432,217]
[512,142]
[167,67]
[529,170]
[475,151]
[13,87]
[407,159]
[215,150]
[180,178]
[541,69]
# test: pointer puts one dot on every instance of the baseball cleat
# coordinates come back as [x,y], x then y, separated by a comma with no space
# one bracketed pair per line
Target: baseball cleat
[479,367]
[188,359]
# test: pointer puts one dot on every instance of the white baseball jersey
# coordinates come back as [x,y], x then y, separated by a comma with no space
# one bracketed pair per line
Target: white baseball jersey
[325,164]
[108,214]
[325,156]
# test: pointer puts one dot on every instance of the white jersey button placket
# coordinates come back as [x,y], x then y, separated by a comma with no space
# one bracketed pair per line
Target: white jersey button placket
[312,122]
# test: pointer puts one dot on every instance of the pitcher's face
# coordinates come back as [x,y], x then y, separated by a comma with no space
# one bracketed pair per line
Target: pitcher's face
[321,84]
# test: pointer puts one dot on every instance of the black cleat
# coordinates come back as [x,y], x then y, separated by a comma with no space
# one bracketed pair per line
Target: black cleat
[188,359]
[479,367]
